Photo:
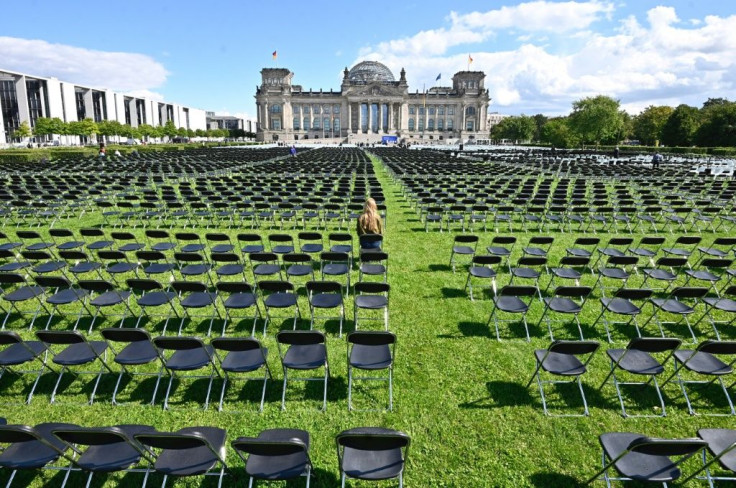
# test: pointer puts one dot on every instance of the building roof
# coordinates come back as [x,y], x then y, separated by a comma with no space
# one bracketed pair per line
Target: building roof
[367,71]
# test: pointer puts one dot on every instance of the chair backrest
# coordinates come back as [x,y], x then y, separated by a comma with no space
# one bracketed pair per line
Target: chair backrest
[466,239]
[9,337]
[275,286]
[217,237]
[187,236]
[11,278]
[574,347]
[633,293]
[373,256]
[372,287]
[717,347]
[666,447]
[672,262]
[688,292]
[716,263]
[372,439]
[225,257]
[309,236]
[586,241]
[260,447]
[324,287]
[112,255]
[620,241]
[263,256]
[532,261]
[60,336]
[234,287]
[143,284]
[235,343]
[518,291]
[280,238]
[573,291]
[172,440]
[503,240]
[300,337]
[96,285]
[11,434]
[180,343]
[689,240]
[53,281]
[654,344]
[622,260]
[541,240]
[188,286]
[189,257]
[116,334]
[651,240]
[334,256]
[372,338]
[574,261]
[296,257]
[95,436]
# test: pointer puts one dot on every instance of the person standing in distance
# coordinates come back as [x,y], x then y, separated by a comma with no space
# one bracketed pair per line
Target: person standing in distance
[370,224]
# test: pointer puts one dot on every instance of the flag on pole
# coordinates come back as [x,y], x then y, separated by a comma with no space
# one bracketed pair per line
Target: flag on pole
[438,77]
[275,55]
[470,59]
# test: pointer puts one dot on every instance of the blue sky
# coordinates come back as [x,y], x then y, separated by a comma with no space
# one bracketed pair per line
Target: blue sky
[539,56]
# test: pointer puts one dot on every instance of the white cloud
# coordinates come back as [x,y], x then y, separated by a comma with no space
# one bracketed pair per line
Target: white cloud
[114,70]
[663,60]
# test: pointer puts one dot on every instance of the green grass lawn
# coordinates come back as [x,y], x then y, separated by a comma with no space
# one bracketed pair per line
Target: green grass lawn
[459,393]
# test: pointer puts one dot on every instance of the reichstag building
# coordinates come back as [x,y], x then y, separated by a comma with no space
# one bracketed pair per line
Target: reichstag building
[371,105]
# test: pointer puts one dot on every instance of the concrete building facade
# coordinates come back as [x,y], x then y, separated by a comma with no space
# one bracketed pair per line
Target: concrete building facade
[26,98]
[369,105]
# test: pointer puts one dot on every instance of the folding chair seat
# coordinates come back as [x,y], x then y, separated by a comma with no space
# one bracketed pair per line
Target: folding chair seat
[680,302]
[637,360]
[688,245]
[623,303]
[95,239]
[193,264]
[281,243]
[160,240]
[647,248]
[253,243]
[478,213]
[529,268]
[371,351]
[275,455]
[8,245]
[374,263]
[707,271]
[103,294]
[372,454]
[705,361]
[583,247]
[76,351]
[242,355]
[17,352]
[434,215]
[644,459]
[228,265]
[10,262]
[311,212]
[310,242]
[191,451]
[335,264]
[237,295]
[189,242]
[137,351]
[303,350]
[219,242]
[616,246]
[194,295]
[108,449]
[31,448]
[152,294]
[463,245]
[298,265]
[600,218]
[333,212]
[665,270]
[538,246]
[325,295]
[61,292]
[482,267]
[155,263]
[725,306]
[181,354]
[32,240]
[456,214]
[561,358]
[512,299]
[677,218]
[567,300]
[126,241]
[117,263]
[340,242]
[65,245]
[371,297]
[370,242]
[278,295]
[722,247]
[616,269]
[570,268]
[43,262]
[503,214]
[720,445]
[15,289]
[264,264]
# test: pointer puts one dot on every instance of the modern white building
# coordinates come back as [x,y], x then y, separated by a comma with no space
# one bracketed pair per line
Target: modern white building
[26,98]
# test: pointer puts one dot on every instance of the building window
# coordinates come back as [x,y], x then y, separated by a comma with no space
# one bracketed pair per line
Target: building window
[336,125]
[449,124]
[440,110]
[470,111]
[316,123]
[306,123]
[430,124]
[469,124]
[315,109]
[411,110]
[9,106]
[276,124]
[384,117]
[431,110]
[275,108]
[34,89]
[326,123]
[440,124]
[374,117]
[325,109]
[306,109]
[364,117]
[296,123]
[81,109]
[411,124]
[421,110]
[450,111]
[99,106]
[295,108]
[421,123]
[336,109]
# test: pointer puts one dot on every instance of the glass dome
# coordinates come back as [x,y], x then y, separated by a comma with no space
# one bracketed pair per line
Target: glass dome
[368,71]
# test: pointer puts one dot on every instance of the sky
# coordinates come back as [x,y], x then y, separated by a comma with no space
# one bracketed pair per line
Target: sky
[539,56]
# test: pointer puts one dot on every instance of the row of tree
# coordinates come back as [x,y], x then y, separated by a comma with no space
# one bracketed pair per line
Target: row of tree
[112,128]
[600,120]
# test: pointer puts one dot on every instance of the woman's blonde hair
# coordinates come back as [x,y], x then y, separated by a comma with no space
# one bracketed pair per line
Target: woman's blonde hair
[370,220]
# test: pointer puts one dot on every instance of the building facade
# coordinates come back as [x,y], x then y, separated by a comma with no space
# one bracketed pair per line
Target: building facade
[369,105]
[26,98]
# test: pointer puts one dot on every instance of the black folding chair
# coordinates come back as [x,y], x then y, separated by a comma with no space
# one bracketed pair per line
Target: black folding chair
[17,352]
[515,300]
[463,245]
[242,355]
[724,306]
[275,455]
[138,351]
[194,295]
[681,302]
[720,443]
[153,295]
[561,358]
[17,290]
[623,303]
[237,295]
[481,268]
[371,351]
[568,300]
[104,294]
[372,454]
[303,350]
[371,297]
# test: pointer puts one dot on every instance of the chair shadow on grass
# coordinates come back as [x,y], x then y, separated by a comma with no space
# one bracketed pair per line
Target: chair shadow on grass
[553,480]
[439,267]
[448,292]
[237,476]
[502,394]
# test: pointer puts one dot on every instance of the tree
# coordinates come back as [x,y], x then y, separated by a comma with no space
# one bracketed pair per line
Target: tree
[719,126]
[200,133]
[44,127]
[169,129]
[23,131]
[181,132]
[146,131]
[597,119]
[517,128]
[681,126]
[557,132]
[648,125]
[539,120]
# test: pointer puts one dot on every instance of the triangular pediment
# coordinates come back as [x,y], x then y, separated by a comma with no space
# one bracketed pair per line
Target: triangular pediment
[376,90]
